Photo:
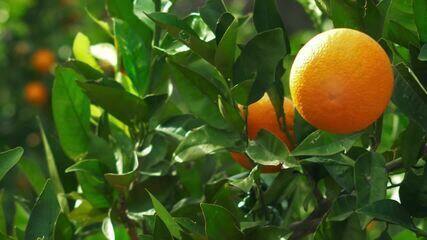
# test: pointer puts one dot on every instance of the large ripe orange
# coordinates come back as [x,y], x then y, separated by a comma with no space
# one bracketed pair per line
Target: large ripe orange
[341,81]
[43,60]
[261,115]
[36,93]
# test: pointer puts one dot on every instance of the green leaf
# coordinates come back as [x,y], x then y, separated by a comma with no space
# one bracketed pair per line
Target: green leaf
[267,149]
[266,17]
[411,143]
[423,53]
[413,193]
[226,50]
[84,69]
[344,14]
[165,216]
[259,58]
[301,127]
[342,208]
[337,159]
[211,12]
[384,236]
[44,215]
[409,95]
[321,143]
[136,56]
[349,230]
[33,173]
[265,233]
[241,91]
[122,181]
[231,114]
[343,175]
[92,167]
[420,15]
[181,31]
[53,171]
[389,211]
[64,229]
[126,107]
[9,159]
[204,141]
[71,113]
[198,94]
[161,231]
[81,51]
[245,184]
[219,223]
[370,178]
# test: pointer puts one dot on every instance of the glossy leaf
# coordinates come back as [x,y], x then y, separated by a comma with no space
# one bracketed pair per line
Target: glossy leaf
[258,61]
[81,51]
[198,94]
[181,31]
[128,108]
[44,214]
[321,143]
[165,216]
[226,50]
[267,149]
[204,141]
[9,159]
[219,223]
[71,113]
[411,142]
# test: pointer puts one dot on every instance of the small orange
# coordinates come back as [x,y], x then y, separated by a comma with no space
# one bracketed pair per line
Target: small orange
[43,60]
[36,93]
[341,81]
[261,115]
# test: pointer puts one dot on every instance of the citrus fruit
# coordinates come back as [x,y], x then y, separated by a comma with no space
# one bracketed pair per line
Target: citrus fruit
[36,93]
[261,115]
[341,81]
[43,60]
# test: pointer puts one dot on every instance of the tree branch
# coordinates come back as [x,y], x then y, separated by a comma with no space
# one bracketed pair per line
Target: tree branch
[309,225]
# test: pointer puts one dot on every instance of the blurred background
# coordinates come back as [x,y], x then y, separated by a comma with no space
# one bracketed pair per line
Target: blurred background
[35,36]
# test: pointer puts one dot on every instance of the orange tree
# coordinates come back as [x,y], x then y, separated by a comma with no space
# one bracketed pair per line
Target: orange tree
[151,134]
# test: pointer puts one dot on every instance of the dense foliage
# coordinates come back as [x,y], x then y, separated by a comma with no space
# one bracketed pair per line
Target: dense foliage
[150,117]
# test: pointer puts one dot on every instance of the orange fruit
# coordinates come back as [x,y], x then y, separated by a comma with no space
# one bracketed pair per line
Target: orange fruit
[261,115]
[341,81]
[36,93]
[43,60]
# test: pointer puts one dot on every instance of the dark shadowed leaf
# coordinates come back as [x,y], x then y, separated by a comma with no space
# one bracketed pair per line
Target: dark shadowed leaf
[267,17]
[265,233]
[211,12]
[349,230]
[259,58]
[84,69]
[64,229]
[44,214]
[342,208]
[413,193]
[420,15]
[9,159]
[389,211]
[220,223]
[423,53]
[321,143]
[161,231]
[411,143]
[409,96]
[231,114]
[71,113]
[370,178]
